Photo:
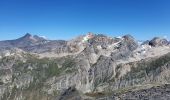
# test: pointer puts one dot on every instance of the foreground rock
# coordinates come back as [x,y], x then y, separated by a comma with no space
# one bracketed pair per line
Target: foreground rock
[161,92]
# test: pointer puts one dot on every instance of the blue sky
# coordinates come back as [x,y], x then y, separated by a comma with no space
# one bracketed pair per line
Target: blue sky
[65,19]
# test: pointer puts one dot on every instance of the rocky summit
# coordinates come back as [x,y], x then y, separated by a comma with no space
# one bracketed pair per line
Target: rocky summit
[95,68]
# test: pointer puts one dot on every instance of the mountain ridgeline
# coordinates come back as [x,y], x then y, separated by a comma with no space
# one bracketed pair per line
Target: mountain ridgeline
[96,68]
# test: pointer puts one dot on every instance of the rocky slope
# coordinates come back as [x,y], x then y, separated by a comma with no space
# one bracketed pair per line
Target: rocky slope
[33,68]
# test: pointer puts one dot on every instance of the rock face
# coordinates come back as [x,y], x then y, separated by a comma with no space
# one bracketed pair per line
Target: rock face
[33,68]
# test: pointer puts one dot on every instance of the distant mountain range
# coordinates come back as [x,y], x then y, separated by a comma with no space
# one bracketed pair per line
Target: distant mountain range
[39,44]
[98,68]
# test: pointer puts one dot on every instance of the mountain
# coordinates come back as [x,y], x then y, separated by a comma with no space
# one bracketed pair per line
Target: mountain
[27,40]
[100,68]
[30,43]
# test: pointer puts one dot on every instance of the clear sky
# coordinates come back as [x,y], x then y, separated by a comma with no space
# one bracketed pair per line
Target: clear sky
[65,19]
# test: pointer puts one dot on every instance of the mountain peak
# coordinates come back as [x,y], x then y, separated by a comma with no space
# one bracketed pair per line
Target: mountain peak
[157,41]
[27,35]
[39,38]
